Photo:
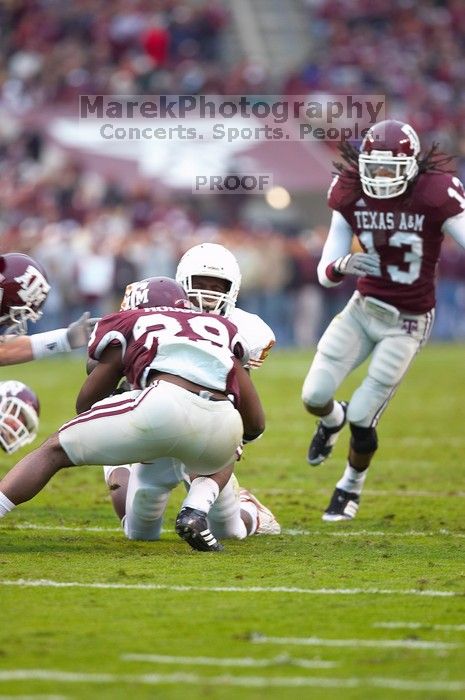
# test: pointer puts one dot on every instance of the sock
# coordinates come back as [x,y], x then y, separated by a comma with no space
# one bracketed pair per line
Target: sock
[203,492]
[252,510]
[5,505]
[352,480]
[224,518]
[335,418]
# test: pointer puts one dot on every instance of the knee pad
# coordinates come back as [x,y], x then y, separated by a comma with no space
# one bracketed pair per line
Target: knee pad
[319,387]
[363,440]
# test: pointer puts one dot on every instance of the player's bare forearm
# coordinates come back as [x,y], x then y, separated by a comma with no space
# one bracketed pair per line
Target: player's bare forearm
[15,349]
[102,381]
[250,408]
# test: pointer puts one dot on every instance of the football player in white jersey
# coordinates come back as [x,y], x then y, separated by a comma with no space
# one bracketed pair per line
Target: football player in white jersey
[211,277]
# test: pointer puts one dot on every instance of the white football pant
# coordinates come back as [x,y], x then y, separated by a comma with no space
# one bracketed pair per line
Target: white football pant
[350,338]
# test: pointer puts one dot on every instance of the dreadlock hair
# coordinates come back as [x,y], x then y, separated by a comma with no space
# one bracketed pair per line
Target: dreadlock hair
[348,167]
[435,161]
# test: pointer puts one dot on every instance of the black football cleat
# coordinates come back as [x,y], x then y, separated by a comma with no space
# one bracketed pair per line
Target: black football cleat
[324,440]
[343,506]
[191,525]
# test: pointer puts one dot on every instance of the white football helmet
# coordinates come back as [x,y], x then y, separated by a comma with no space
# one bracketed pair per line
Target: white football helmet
[19,415]
[210,260]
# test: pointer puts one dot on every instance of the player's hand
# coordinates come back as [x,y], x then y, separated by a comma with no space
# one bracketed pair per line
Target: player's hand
[79,331]
[359,264]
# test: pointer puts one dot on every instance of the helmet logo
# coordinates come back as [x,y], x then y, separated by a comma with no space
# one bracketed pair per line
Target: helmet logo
[135,296]
[34,286]
[413,137]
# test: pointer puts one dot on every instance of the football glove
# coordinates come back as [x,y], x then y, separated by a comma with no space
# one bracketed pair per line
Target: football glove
[359,264]
[79,331]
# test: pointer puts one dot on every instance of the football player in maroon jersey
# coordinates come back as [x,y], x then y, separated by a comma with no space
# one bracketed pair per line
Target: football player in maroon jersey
[23,291]
[192,400]
[210,275]
[399,205]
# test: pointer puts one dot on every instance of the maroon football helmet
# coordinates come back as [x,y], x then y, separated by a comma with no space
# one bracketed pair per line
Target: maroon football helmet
[155,291]
[23,290]
[388,159]
[19,415]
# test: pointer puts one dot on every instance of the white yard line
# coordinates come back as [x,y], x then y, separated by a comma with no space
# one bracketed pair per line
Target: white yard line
[245,662]
[291,532]
[46,583]
[354,643]
[418,626]
[371,533]
[228,680]
[33,697]
[366,492]
[63,528]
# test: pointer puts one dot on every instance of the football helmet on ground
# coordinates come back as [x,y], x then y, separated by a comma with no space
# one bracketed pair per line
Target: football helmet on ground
[388,159]
[19,415]
[210,260]
[23,290]
[154,291]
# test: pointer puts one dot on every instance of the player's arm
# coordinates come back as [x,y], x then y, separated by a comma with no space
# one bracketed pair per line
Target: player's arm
[455,227]
[250,407]
[16,349]
[103,379]
[336,258]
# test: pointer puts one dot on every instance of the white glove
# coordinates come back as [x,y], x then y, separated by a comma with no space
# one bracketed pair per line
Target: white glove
[359,264]
[79,331]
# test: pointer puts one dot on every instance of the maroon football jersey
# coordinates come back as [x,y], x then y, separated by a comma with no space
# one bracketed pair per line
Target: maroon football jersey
[406,233]
[190,344]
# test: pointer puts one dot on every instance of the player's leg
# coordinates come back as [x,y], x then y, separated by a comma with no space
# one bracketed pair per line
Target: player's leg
[192,521]
[32,473]
[117,478]
[391,359]
[237,513]
[343,346]
[148,492]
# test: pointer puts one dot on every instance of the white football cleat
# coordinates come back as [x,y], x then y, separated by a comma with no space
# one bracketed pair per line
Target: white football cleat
[267,523]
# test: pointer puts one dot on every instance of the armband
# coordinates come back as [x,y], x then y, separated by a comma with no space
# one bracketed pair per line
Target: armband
[246,438]
[332,273]
[49,343]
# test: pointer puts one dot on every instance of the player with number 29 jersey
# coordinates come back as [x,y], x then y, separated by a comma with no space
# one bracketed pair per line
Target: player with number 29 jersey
[194,345]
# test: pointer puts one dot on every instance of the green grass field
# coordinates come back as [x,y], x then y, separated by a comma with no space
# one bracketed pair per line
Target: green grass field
[370,609]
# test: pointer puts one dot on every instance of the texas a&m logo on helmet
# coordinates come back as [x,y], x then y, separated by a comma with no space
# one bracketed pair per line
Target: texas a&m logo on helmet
[23,290]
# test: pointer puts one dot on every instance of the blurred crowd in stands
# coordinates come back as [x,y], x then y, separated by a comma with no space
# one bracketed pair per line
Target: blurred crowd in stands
[412,52]
[94,236]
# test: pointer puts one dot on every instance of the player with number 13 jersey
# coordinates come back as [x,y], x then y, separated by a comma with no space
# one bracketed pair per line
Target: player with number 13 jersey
[399,205]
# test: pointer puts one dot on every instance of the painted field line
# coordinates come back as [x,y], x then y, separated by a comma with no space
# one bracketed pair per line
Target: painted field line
[366,492]
[371,533]
[33,697]
[228,680]
[64,528]
[354,643]
[291,532]
[46,583]
[245,662]
[418,626]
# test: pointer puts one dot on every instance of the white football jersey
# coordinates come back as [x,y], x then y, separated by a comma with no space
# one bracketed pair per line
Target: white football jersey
[257,335]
